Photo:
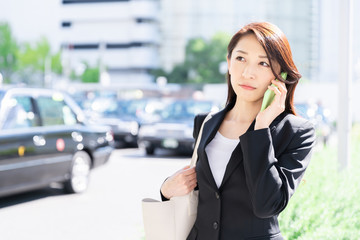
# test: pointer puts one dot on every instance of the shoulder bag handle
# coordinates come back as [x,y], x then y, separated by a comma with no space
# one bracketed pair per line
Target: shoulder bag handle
[194,155]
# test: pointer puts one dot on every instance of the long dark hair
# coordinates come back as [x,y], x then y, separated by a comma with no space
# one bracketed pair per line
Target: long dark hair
[277,48]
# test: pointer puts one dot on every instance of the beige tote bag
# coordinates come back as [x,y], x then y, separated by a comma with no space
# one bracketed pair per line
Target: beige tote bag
[173,219]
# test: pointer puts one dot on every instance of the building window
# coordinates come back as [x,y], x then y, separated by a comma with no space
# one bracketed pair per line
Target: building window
[91,1]
[81,46]
[145,20]
[66,24]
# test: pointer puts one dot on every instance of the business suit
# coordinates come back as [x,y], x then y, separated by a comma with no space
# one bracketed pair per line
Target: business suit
[262,174]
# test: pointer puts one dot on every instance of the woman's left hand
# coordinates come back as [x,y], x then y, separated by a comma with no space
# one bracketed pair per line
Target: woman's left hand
[264,118]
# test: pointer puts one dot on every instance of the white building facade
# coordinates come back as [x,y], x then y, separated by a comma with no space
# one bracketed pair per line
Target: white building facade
[120,36]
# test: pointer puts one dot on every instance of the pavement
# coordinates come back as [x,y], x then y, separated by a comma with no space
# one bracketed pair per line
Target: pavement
[110,209]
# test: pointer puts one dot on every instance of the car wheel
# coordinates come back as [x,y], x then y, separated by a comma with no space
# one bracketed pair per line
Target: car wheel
[150,150]
[80,173]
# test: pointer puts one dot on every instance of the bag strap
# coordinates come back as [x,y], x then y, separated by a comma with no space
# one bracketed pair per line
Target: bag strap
[194,155]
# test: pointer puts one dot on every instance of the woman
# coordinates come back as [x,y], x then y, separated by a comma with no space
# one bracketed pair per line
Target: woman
[250,161]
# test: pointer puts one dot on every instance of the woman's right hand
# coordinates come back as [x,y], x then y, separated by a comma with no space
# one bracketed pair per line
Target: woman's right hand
[180,183]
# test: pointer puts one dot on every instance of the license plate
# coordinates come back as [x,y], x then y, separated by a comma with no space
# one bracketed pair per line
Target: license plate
[170,143]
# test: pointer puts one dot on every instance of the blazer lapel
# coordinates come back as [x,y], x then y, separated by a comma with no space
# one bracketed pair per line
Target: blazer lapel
[213,125]
[209,132]
[235,159]
[237,156]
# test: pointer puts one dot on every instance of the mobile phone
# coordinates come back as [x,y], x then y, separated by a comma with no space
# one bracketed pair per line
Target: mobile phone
[270,95]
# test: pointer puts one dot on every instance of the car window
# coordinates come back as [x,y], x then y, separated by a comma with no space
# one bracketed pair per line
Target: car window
[20,114]
[105,107]
[54,111]
[2,93]
[135,106]
[185,110]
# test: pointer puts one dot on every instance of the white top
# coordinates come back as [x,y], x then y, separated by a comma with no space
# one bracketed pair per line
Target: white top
[219,151]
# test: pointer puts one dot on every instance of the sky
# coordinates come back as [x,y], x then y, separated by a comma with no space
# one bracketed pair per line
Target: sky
[44,21]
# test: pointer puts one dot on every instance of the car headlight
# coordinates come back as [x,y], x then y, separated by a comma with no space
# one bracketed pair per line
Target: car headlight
[147,131]
[134,128]
[109,136]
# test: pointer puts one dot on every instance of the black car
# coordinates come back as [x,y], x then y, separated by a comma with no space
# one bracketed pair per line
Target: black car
[45,138]
[125,116]
[175,130]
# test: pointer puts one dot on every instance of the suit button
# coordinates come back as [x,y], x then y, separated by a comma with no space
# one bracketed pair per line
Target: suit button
[215,225]
[217,195]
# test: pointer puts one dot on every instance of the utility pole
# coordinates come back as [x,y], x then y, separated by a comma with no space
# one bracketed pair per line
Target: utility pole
[344,82]
[104,77]
[47,72]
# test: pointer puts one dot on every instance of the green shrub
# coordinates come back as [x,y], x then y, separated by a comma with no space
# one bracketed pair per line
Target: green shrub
[326,204]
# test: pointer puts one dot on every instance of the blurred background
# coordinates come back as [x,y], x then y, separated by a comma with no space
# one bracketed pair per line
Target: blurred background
[65,44]
[144,69]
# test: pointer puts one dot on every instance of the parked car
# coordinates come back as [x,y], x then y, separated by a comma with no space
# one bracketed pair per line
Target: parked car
[125,117]
[45,138]
[175,130]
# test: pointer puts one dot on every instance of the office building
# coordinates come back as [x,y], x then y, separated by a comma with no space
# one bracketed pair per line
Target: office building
[120,36]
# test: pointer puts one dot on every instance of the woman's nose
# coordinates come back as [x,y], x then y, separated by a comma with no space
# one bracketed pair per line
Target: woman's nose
[248,72]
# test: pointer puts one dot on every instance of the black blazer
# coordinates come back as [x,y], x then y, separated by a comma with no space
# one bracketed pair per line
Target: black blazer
[261,176]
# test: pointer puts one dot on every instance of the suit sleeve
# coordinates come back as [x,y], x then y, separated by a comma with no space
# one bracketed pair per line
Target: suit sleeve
[272,181]
[163,198]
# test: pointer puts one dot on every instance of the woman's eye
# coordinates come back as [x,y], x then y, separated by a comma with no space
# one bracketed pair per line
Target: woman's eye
[240,58]
[264,64]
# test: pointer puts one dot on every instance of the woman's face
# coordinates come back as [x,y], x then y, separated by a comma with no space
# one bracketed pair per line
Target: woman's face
[249,69]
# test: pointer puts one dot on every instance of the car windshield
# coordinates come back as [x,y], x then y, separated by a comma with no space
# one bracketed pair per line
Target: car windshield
[144,109]
[106,107]
[185,109]
[133,107]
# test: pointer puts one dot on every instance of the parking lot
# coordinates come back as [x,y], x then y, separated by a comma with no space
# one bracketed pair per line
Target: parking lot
[109,209]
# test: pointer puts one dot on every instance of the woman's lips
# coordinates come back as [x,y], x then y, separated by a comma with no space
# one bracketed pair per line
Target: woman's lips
[247,87]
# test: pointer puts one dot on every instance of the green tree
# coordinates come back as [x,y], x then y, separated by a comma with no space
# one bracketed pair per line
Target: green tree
[33,56]
[35,60]
[8,50]
[90,75]
[202,61]
[56,66]
[87,74]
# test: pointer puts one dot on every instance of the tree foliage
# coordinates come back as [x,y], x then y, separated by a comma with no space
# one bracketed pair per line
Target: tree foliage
[27,60]
[91,74]
[34,56]
[8,51]
[202,61]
